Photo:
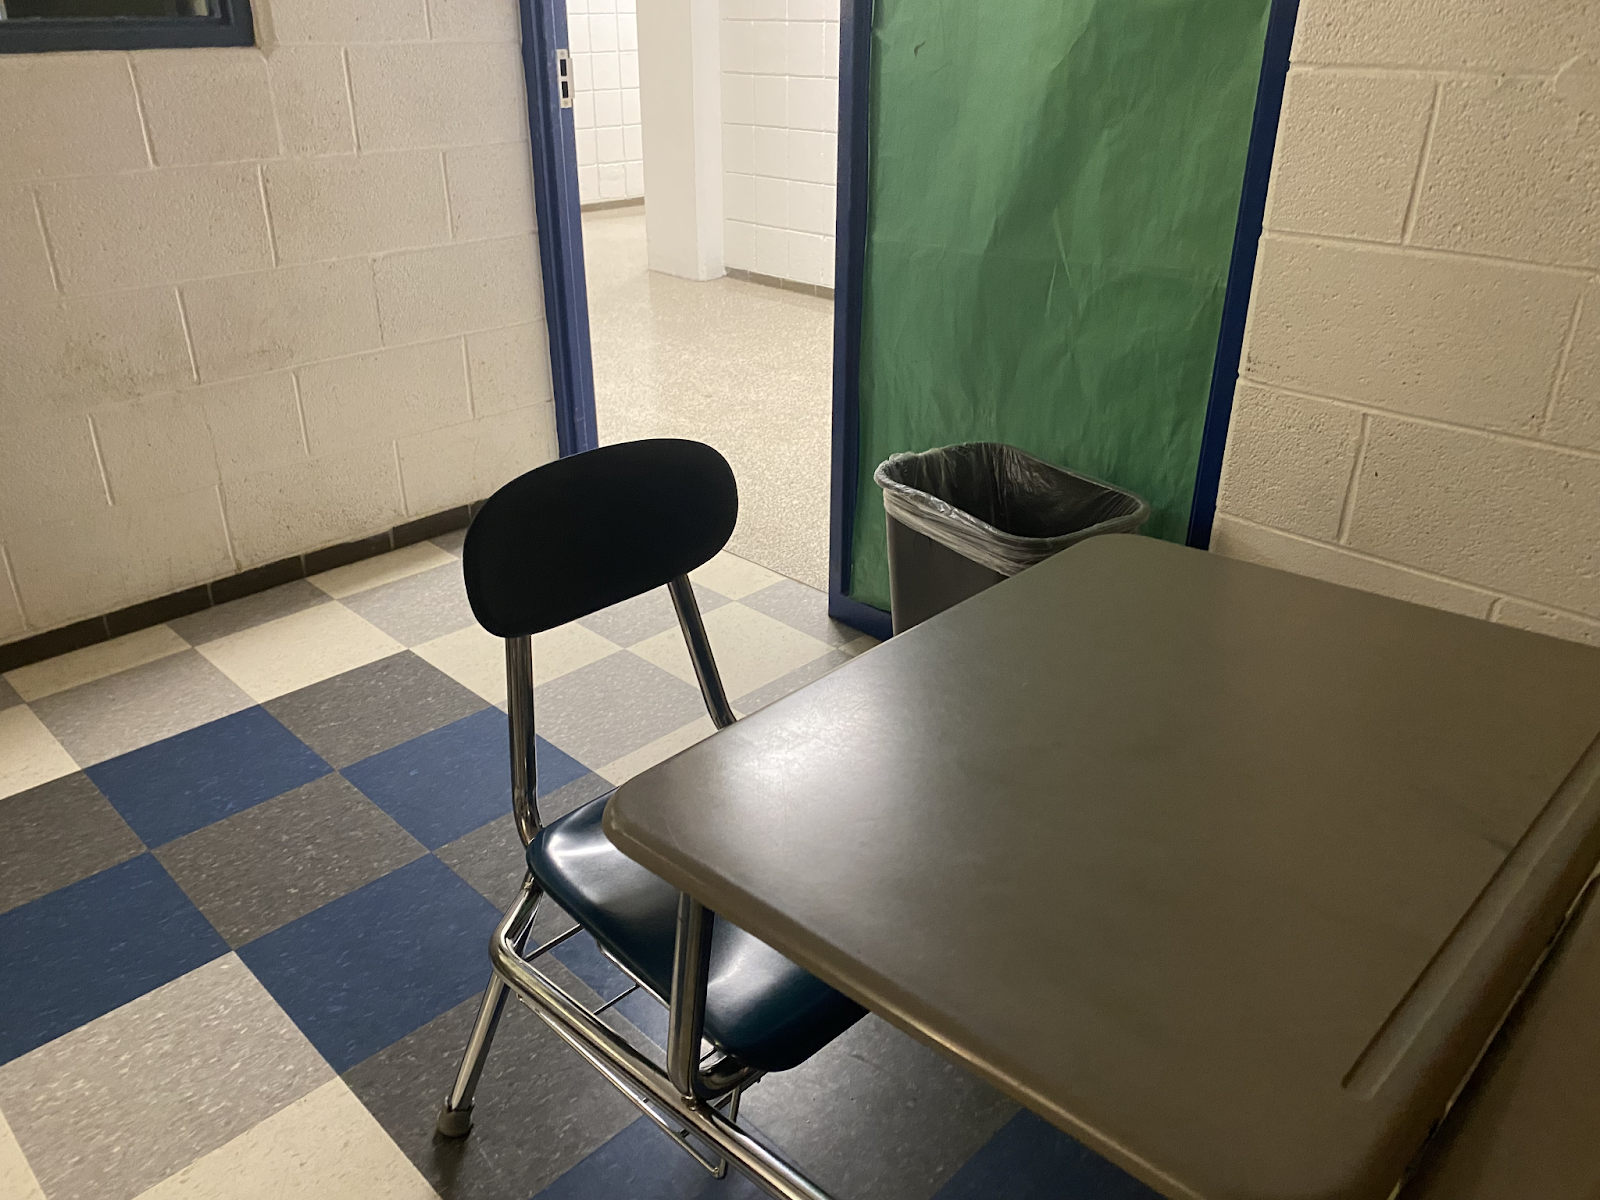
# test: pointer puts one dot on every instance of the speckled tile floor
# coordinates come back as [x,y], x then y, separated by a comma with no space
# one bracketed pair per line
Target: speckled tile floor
[249,865]
[745,367]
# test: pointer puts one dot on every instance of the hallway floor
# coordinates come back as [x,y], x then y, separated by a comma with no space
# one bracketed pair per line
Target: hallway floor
[743,366]
[249,865]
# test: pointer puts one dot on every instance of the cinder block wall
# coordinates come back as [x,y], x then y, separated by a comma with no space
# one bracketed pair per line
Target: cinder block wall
[1418,411]
[258,301]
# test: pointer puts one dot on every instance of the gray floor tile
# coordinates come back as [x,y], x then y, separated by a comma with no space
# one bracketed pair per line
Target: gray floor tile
[264,867]
[792,682]
[100,720]
[451,542]
[491,858]
[418,608]
[8,695]
[372,708]
[645,615]
[876,1115]
[105,1111]
[56,834]
[802,608]
[540,1108]
[612,707]
[248,611]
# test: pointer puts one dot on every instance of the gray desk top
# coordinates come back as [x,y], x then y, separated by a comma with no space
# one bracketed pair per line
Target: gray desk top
[1227,872]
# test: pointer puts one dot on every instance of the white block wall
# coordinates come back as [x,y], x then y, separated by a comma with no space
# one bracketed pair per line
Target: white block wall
[603,37]
[258,301]
[780,112]
[1418,411]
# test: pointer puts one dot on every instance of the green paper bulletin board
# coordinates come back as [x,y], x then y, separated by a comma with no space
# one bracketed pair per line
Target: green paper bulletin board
[1052,196]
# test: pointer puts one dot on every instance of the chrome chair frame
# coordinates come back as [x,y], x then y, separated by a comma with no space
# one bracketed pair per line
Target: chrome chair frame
[696,1095]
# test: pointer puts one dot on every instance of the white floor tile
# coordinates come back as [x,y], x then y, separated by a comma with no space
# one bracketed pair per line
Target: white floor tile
[476,659]
[385,568]
[325,1146]
[751,649]
[17,1181]
[663,748]
[298,650]
[733,577]
[94,662]
[29,753]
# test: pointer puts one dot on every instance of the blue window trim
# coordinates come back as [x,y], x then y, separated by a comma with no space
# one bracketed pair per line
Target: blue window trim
[556,203]
[1242,268]
[233,24]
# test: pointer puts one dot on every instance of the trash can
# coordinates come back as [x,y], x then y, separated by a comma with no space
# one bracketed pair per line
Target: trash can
[962,518]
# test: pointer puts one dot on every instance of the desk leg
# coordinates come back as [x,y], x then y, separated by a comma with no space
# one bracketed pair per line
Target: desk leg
[686,1020]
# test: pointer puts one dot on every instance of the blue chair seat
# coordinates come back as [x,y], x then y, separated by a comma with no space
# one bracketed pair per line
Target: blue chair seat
[760,1007]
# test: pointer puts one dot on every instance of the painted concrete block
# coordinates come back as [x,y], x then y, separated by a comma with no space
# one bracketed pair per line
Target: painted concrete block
[97,132]
[48,472]
[1575,417]
[1533,35]
[1289,461]
[254,423]
[1510,516]
[1452,338]
[311,99]
[72,355]
[299,21]
[509,368]
[156,447]
[1514,172]
[1274,548]
[1349,147]
[384,395]
[244,324]
[302,506]
[342,206]
[22,249]
[466,462]
[122,555]
[437,94]
[491,191]
[459,288]
[206,106]
[160,226]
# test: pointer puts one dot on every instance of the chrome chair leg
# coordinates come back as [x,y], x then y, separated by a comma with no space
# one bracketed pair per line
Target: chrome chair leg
[455,1118]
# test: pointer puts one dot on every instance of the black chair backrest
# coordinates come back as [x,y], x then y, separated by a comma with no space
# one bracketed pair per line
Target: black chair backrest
[581,533]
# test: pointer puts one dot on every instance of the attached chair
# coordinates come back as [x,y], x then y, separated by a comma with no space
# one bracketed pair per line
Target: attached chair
[556,544]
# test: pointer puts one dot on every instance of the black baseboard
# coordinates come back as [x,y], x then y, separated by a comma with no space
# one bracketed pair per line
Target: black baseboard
[219,591]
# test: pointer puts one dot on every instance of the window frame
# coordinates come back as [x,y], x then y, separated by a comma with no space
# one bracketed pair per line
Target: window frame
[232,25]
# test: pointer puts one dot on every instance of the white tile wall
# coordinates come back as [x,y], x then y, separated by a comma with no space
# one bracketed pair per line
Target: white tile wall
[603,37]
[780,110]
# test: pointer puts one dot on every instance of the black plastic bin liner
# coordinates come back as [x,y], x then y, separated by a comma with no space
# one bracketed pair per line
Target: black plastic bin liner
[998,508]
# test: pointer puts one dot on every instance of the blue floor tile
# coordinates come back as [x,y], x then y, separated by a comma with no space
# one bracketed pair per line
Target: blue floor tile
[360,973]
[447,783]
[1030,1159]
[192,779]
[642,1163]
[77,953]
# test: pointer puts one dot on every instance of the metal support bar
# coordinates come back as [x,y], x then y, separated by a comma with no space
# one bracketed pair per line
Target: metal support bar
[705,666]
[519,711]
[635,1076]
[686,1016]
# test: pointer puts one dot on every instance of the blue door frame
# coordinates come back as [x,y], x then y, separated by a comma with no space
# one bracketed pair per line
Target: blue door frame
[555,198]
[555,172]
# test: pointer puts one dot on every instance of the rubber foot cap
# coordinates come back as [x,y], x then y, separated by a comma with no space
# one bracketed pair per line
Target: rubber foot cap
[454,1122]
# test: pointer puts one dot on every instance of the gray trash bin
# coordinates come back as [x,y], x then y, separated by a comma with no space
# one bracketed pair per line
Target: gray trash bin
[962,518]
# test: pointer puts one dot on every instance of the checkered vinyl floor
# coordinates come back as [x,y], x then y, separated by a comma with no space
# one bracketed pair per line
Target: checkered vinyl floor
[249,862]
